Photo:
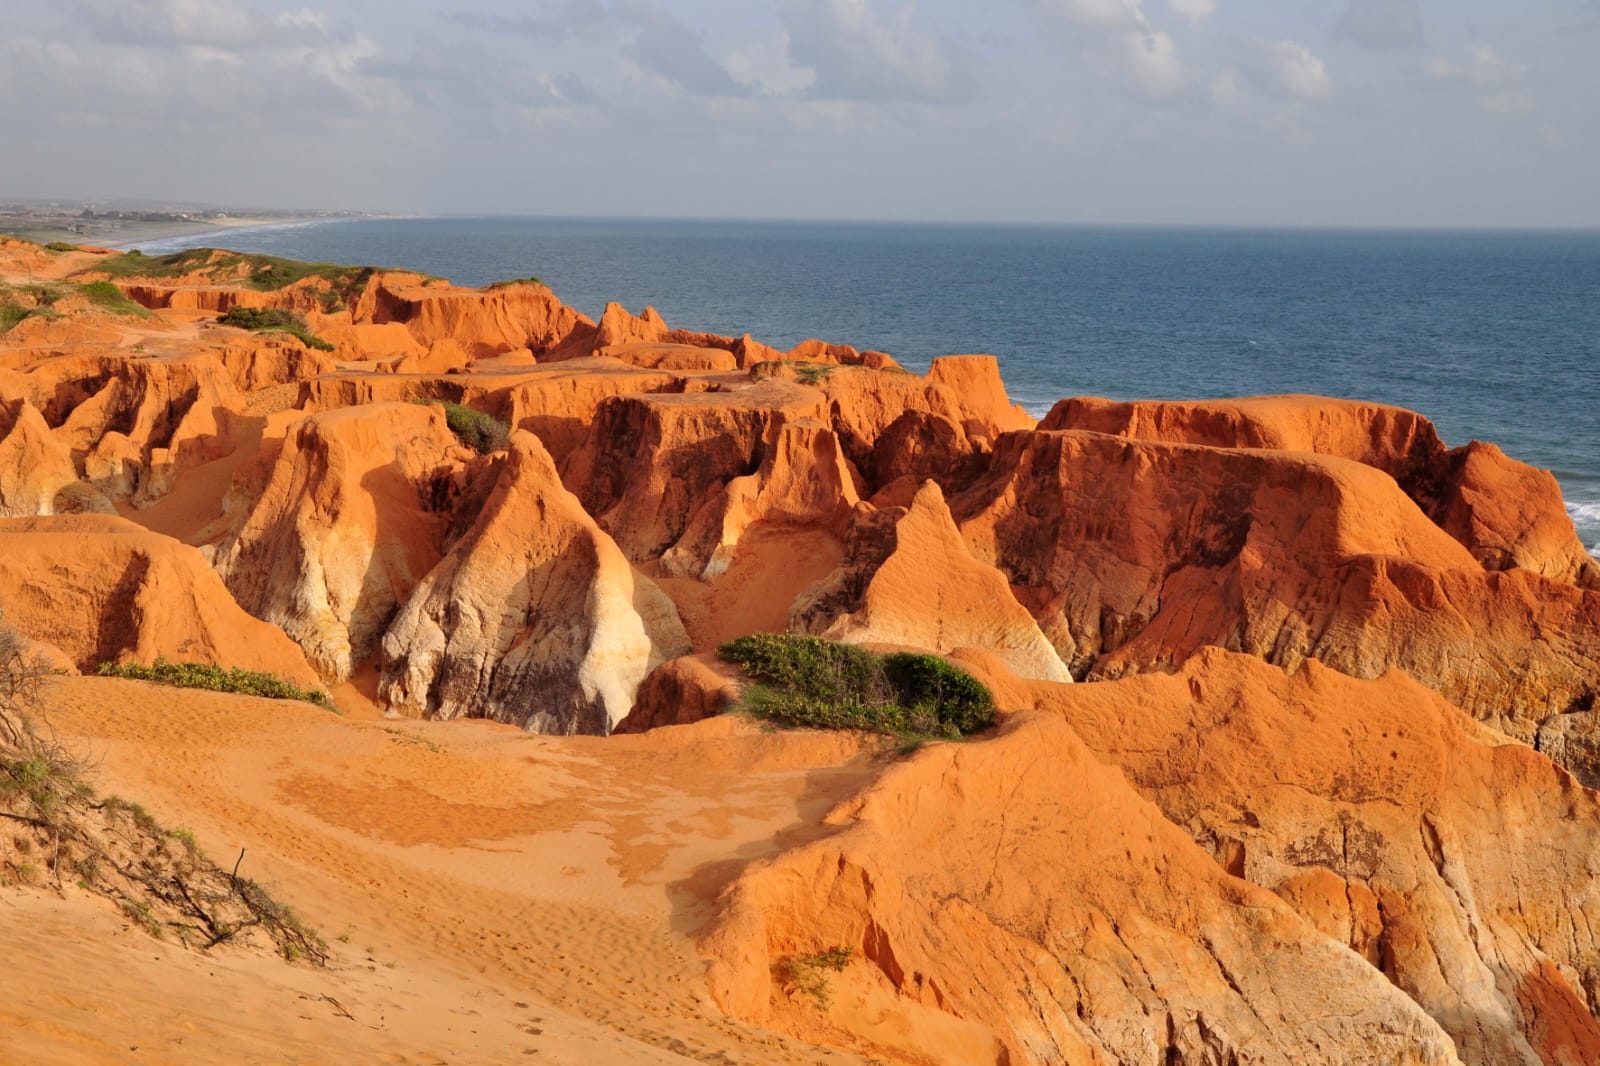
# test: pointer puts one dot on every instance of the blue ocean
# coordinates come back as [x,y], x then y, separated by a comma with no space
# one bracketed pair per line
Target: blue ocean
[1492,335]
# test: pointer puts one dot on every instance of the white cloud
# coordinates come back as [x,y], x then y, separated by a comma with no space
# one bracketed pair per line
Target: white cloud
[667,48]
[204,53]
[1297,71]
[1507,105]
[1097,14]
[219,23]
[1382,23]
[1482,70]
[1153,61]
[1494,82]
[1193,10]
[856,53]
[767,67]
[303,19]
[1225,87]
[1150,64]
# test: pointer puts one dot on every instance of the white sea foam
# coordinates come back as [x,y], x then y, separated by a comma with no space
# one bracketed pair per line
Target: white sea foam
[1585,515]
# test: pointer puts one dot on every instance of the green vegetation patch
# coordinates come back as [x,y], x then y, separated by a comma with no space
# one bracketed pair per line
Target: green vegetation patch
[808,974]
[37,300]
[12,313]
[805,372]
[808,681]
[813,373]
[46,781]
[60,246]
[263,272]
[107,297]
[530,280]
[481,432]
[216,679]
[274,320]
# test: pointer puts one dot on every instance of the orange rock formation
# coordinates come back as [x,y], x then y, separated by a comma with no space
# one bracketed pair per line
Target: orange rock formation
[102,589]
[1326,800]
[533,617]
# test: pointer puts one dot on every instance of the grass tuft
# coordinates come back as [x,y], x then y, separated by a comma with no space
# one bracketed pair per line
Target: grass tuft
[107,297]
[216,679]
[808,974]
[813,373]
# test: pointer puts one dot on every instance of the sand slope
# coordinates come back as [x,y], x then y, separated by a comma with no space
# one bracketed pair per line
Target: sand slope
[502,895]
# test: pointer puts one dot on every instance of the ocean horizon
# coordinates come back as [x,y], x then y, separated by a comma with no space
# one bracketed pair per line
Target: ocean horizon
[1492,334]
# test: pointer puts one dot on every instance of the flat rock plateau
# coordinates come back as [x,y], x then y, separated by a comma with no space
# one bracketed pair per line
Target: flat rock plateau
[1295,759]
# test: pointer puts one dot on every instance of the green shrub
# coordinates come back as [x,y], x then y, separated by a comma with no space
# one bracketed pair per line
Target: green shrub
[813,373]
[274,320]
[476,430]
[960,700]
[60,246]
[809,973]
[809,681]
[261,318]
[11,313]
[46,779]
[108,297]
[216,679]
[263,272]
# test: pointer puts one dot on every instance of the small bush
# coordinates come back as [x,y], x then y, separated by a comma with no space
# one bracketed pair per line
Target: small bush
[274,320]
[261,318]
[959,700]
[11,313]
[107,297]
[809,973]
[216,679]
[60,246]
[813,373]
[808,681]
[483,433]
[45,779]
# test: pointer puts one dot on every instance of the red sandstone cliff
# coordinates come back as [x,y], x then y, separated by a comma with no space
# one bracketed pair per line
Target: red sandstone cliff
[1326,799]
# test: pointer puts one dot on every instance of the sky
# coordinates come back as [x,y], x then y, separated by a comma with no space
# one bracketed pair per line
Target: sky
[1197,112]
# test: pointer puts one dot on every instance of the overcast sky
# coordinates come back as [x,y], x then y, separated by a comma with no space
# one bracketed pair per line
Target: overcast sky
[1309,112]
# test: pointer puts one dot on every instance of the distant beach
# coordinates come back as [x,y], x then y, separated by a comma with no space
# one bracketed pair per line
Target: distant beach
[165,237]
[134,234]
[122,234]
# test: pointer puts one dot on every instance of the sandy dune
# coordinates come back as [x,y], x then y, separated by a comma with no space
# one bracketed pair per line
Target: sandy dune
[496,896]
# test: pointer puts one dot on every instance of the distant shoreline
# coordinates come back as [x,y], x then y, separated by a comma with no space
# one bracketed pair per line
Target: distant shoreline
[160,233]
[119,235]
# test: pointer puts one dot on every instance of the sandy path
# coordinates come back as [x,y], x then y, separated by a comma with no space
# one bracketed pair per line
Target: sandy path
[498,896]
